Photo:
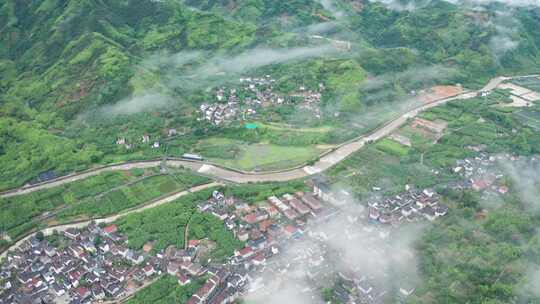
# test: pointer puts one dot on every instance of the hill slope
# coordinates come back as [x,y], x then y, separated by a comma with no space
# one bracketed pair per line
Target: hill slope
[60,59]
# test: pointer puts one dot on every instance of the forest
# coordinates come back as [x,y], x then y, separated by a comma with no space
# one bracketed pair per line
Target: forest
[485,250]
[64,61]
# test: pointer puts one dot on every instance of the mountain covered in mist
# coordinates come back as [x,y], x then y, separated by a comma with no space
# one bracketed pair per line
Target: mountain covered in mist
[61,59]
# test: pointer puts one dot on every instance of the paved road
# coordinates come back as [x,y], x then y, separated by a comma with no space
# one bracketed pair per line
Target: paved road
[78,176]
[326,161]
[112,218]
[226,174]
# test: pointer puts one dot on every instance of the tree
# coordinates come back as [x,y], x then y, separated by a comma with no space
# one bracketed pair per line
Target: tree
[98,240]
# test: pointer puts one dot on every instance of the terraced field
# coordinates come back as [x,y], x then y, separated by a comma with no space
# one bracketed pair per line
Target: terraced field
[530,118]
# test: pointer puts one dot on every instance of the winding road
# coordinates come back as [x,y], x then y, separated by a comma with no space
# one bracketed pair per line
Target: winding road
[220,173]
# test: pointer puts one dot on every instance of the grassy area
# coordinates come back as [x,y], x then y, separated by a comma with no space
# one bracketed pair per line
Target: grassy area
[260,156]
[392,147]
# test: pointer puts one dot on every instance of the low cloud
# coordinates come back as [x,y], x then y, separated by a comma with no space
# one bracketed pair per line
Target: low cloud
[318,28]
[400,5]
[525,176]
[409,5]
[165,59]
[330,6]
[136,104]
[516,3]
[532,286]
[413,77]
[347,243]
[193,70]
[259,57]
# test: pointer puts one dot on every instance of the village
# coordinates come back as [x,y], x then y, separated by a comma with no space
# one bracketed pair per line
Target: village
[271,229]
[487,173]
[95,264]
[286,237]
[232,104]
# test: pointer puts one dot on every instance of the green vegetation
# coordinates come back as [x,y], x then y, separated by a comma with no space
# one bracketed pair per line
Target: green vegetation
[371,167]
[470,259]
[474,122]
[529,117]
[529,83]
[283,14]
[96,196]
[442,32]
[245,156]
[259,192]
[165,225]
[392,147]
[166,290]
[475,254]
[133,195]
[62,61]
[18,210]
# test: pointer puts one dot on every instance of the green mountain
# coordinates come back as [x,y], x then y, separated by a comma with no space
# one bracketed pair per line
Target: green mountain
[61,59]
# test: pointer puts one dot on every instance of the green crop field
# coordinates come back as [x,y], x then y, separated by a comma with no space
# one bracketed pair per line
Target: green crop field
[19,210]
[95,196]
[392,147]
[282,127]
[166,290]
[132,195]
[529,117]
[529,83]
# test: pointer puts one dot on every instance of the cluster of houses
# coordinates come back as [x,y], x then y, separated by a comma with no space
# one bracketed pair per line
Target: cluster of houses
[87,265]
[95,264]
[265,228]
[486,172]
[270,229]
[233,104]
[305,258]
[309,100]
[145,140]
[411,206]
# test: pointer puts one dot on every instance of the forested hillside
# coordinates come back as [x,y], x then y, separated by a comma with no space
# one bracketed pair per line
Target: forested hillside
[58,58]
[61,60]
